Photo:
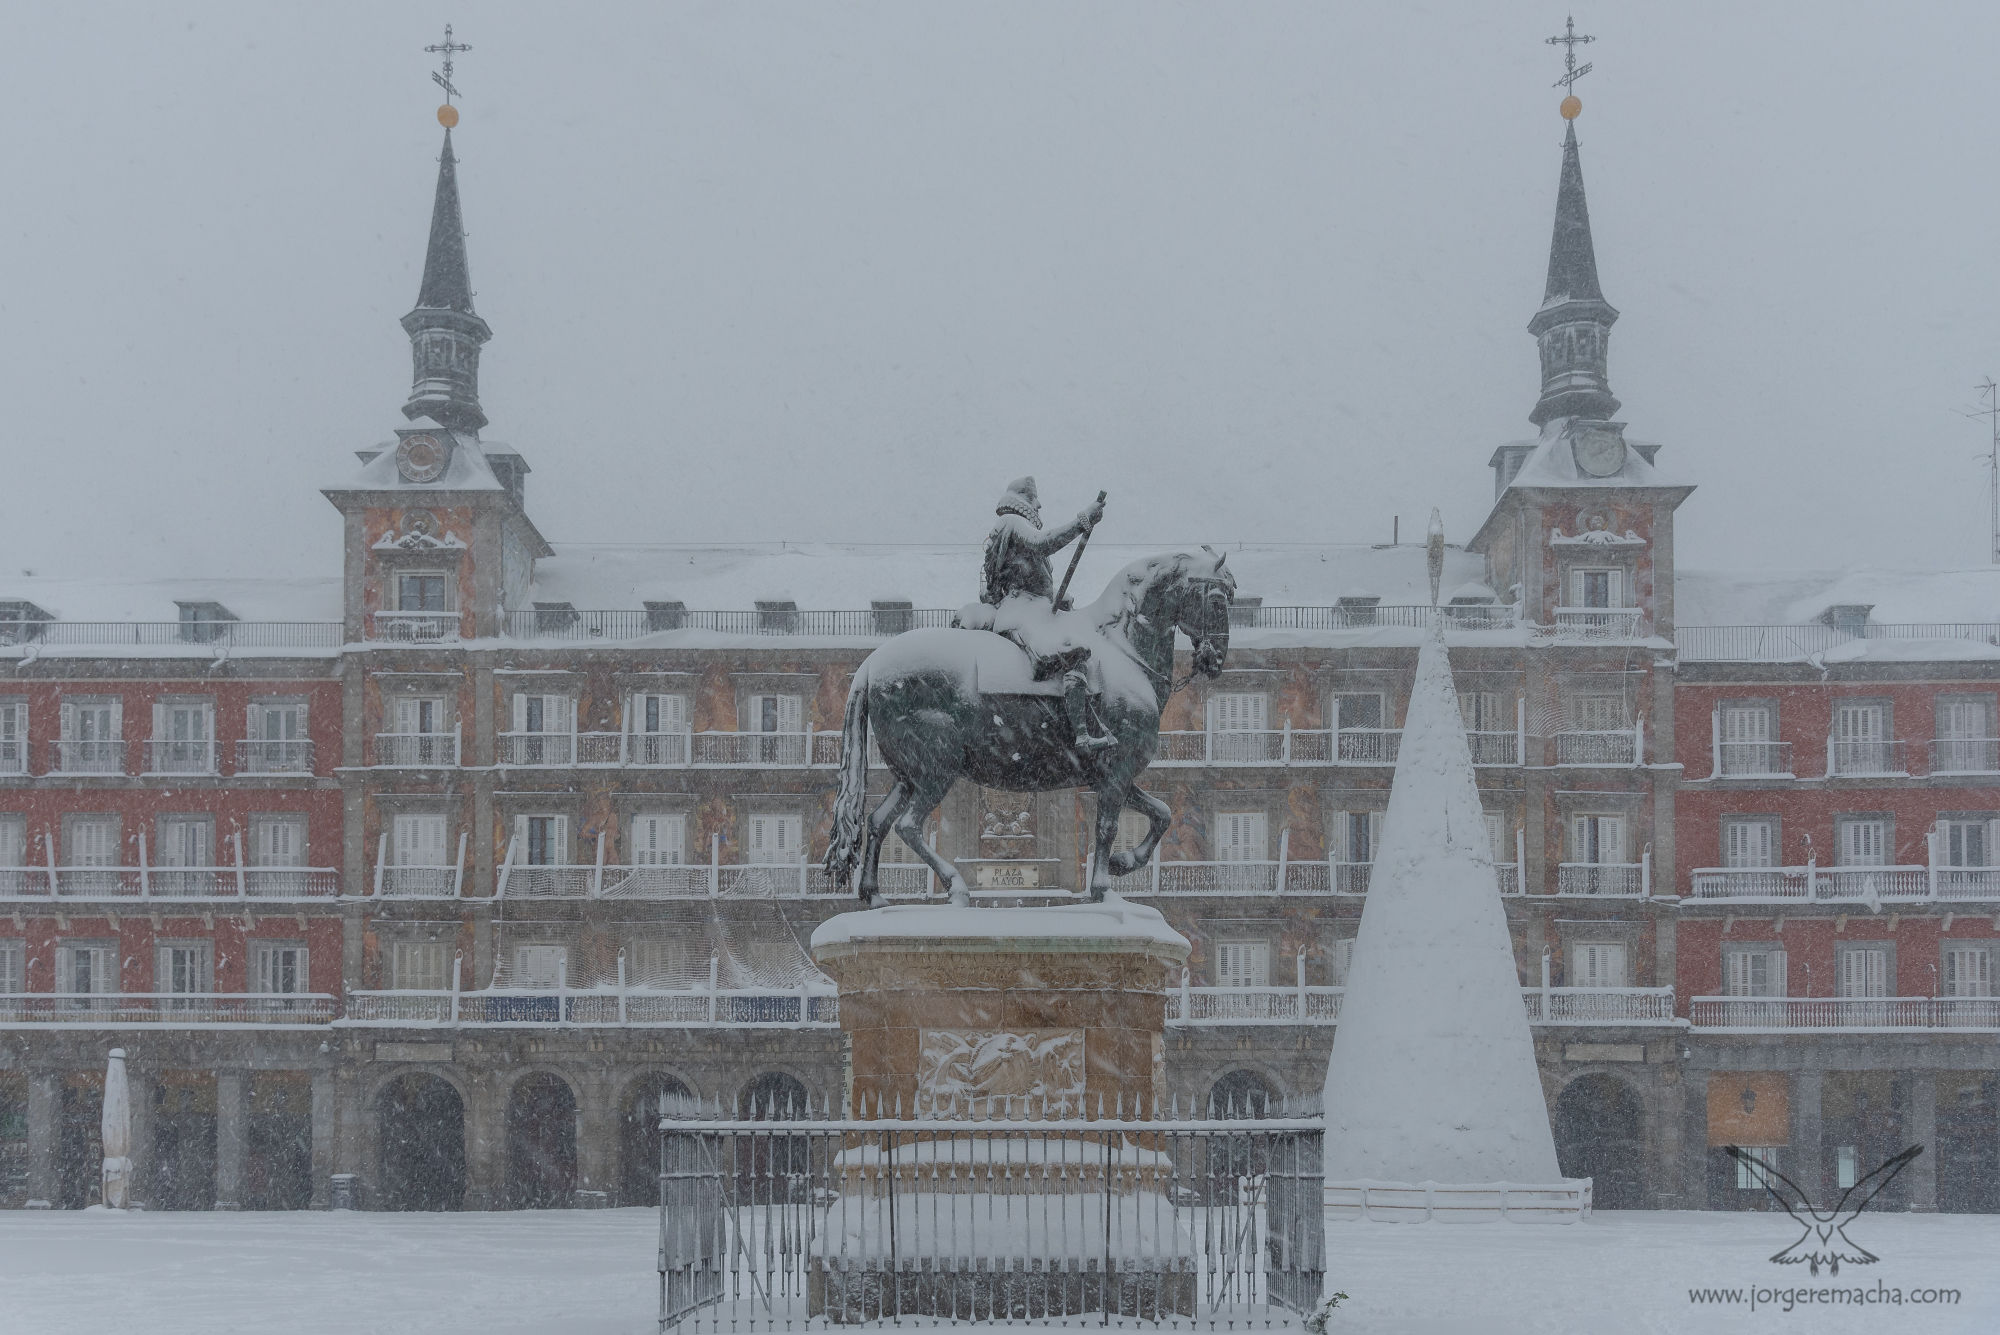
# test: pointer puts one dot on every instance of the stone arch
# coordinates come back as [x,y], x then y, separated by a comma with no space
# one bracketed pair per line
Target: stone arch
[1599,1126]
[774,1095]
[541,1141]
[1243,1092]
[420,1116]
[639,1136]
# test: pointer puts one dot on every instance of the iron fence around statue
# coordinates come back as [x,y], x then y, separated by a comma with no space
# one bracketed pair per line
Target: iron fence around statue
[815,1222]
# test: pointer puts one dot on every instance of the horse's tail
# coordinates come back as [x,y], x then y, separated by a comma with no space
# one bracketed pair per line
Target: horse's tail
[850,826]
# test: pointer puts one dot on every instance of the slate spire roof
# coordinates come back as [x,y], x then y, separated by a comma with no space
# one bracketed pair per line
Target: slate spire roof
[1573,326]
[1572,260]
[447,282]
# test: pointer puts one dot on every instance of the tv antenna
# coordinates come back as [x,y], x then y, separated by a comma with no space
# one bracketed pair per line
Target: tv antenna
[1989,394]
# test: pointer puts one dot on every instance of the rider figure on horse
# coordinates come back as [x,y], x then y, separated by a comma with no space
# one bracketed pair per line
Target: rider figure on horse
[1018,585]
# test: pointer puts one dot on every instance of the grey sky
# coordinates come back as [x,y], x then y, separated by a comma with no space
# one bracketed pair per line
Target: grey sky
[838,271]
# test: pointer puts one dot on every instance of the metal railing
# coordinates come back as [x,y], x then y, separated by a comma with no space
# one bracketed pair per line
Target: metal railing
[769,1225]
[1607,746]
[1881,757]
[1753,760]
[1813,884]
[414,627]
[290,755]
[1784,644]
[1965,755]
[1788,1013]
[1598,623]
[146,883]
[166,1008]
[417,880]
[182,755]
[1369,746]
[1599,1005]
[1606,880]
[172,634]
[95,756]
[426,750]
[13,755]
[537,748]
[560,1005]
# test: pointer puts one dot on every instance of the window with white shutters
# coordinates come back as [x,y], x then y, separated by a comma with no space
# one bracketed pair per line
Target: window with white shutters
[1966,737]
[1599,712]
[1864,971]
[278,841]
[418,840]
[426,719]
[1482,711]
[1242,964]
[782,719]
[1597,839]
[1356,835]
[1861,738]
[423,966]
[422,591]
[185,841]
[1597,588]
[92,841]
[1754,972]
[183,737]
[275,739]
[1237,721]
[1969,842]
[658,725]
[1863,841]
[1749,739]
[775,840]
[281,968]
[13,967]
[1597,964]
[419,714]
[545,728]
[1968,971]
[185,967]
[86,966]
[540,966]
[1497,842]
[91,736]
[13,841]
[1132,828]
[541,841]
[1241,836]
[1749,841]
[13,736]
[659,839]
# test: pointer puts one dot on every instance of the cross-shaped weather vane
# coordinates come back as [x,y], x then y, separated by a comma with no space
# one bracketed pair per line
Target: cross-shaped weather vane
[448,114]
[1569,41]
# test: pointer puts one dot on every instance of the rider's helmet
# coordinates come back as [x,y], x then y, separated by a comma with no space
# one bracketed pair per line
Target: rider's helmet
[1020,499]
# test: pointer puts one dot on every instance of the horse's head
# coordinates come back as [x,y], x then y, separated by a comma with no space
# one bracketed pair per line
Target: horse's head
[1185,591]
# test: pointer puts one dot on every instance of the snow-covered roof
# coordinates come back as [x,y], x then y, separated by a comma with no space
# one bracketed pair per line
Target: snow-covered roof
[468,469]
[1553,464]
[1795,597]
[837,576]
[156,599]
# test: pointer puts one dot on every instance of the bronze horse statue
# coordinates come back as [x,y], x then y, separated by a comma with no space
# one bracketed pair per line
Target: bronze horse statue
[945,704]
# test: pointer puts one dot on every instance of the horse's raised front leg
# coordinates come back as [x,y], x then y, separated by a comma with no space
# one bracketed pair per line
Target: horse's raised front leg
[878,830]
[926,793]
[1159,816]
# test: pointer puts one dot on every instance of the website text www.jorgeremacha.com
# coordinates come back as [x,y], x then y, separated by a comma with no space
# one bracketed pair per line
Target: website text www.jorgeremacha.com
[1823,1295]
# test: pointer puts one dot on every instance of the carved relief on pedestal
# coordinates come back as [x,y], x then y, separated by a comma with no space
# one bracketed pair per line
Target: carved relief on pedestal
[1040,1071]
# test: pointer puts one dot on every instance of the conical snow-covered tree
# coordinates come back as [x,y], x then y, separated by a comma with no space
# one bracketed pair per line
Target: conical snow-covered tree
[1433,1072]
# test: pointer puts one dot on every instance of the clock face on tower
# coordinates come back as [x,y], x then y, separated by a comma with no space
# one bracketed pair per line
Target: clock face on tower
[422,458]
[1599,453]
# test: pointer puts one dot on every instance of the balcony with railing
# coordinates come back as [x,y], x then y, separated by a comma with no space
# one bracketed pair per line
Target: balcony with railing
[1866,886]
[182,755]
[1188,1005]
[1286,876]
[1753,760]
[1788,1014]
[413,627]
[1880,758]
[1621,747]
[166,1010]
[147,884]
[1965,755]
[1598,623]
[1606,880]
[417,750]
[13,755]
[418,880]
[290,755]
[705,1007]
[90,756]
[1369,746]
[207,637]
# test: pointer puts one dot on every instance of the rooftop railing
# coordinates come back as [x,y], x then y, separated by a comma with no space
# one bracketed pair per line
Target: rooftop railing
[1799,643]
[210,635]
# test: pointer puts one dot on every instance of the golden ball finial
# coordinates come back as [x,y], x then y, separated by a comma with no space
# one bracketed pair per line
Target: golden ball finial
[448,114]
[1572,107]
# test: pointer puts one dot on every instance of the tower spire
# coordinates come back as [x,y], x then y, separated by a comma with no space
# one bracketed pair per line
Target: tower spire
[1573,327]
[445,332]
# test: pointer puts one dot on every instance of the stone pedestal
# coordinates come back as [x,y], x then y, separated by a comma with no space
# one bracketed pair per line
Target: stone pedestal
[1033,1012]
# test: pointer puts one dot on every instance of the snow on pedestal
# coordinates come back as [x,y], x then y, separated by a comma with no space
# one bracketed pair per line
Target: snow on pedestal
[1433,1078]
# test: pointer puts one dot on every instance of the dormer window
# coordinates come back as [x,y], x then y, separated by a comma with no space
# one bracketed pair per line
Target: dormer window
[203,622]
[666,615]
[554,618]
[1848,618]
[892,618]
[1597,588]
[1243,611]
[1358,609]
[422,591]
[20,620]
[775,617]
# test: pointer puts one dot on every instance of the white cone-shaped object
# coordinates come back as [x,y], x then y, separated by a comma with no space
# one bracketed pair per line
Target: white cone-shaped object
[1433,1076]
[117,1131]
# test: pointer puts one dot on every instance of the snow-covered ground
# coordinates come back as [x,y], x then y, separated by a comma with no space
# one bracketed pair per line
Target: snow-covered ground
[591,1272]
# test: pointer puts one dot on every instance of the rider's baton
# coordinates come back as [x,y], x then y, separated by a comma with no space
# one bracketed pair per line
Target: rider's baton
[1075,556]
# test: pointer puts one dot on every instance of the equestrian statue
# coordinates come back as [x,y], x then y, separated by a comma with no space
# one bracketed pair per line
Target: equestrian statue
[1028,694]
